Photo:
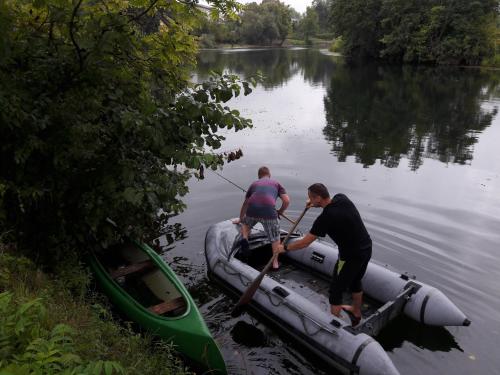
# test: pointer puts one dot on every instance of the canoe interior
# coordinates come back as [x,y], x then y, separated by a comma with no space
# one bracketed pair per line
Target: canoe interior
[137,274]
[310,285]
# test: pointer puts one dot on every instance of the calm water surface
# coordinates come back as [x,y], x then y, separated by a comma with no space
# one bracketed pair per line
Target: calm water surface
[418,151]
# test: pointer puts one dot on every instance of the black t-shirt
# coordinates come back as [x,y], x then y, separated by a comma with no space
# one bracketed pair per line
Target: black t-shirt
[342,222]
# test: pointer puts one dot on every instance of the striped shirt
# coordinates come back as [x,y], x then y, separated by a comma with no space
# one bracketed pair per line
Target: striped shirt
[262,195]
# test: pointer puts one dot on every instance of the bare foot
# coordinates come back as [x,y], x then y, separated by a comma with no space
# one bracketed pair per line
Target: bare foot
[347,308]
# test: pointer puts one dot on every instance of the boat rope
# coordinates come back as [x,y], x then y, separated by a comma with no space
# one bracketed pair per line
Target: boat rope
[320,327]
[304,318]
[245,283]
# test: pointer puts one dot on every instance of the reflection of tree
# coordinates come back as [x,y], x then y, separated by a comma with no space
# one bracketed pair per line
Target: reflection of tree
[277,65]
[386,113]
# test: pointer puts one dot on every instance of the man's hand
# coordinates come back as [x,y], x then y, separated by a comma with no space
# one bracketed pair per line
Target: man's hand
[280,212]
[309,203]
[280,249]
[336,309]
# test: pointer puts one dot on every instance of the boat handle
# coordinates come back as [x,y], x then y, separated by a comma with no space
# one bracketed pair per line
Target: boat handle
[280,292]
[317,257]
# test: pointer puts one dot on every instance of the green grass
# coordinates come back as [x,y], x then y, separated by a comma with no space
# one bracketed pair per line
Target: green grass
[51,323]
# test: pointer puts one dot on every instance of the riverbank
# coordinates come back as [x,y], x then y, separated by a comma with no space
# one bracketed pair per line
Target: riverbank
[55,322]
[289,42]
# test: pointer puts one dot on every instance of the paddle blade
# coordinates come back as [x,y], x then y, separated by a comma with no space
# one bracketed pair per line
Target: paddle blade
[237,311]
[247,296]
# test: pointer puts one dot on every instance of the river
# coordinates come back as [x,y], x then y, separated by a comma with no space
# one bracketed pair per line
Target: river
[417,149]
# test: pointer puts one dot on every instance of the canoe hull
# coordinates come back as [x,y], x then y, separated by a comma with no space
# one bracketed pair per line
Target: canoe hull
[187,332]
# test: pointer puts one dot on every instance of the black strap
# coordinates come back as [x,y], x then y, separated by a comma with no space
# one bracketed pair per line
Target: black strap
[424,305]
[360,348]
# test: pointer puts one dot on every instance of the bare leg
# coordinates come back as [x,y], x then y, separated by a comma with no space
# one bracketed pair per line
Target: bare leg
[275,245]
[245,231]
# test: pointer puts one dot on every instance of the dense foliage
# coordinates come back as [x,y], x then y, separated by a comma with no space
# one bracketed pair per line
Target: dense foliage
[266,23]
[428,31]
[99,120]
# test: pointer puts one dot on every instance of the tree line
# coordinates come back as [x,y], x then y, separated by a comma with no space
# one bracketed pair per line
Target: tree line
[416,31]
[403,31]
[269,23]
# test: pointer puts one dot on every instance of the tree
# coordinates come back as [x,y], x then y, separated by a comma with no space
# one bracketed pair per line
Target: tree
[450,32]
[99,119]
[358,23]
[430,31]
[321,7]
[309,24]
[281,16]
[264,23]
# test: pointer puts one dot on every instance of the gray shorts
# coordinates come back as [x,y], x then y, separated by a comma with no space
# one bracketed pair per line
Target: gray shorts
[271,226]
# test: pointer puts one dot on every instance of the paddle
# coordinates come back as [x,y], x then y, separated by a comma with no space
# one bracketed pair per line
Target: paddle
[286,218]
[248,294]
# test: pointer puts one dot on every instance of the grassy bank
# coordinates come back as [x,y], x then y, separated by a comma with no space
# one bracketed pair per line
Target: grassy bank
[52,324]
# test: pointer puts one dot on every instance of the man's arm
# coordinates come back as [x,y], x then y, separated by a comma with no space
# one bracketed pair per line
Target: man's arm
[285,202]
[299,244]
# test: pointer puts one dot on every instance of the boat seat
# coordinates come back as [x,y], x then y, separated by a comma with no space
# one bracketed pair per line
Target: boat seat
[134,267]
[167,306]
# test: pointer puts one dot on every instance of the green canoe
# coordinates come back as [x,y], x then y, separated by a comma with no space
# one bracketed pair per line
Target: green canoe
[144,287]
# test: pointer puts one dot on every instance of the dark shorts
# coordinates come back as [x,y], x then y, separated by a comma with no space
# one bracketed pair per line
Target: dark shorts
[347,275]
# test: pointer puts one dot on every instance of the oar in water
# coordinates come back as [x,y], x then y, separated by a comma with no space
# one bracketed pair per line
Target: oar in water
[248,294]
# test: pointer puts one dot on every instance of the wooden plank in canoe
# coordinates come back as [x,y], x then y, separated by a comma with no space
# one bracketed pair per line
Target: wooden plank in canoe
[167,306]
[135,267]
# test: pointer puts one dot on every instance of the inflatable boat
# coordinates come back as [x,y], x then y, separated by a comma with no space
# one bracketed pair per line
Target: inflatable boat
[301,309]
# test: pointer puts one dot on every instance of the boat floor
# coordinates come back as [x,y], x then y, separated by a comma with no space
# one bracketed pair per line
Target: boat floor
[313,287]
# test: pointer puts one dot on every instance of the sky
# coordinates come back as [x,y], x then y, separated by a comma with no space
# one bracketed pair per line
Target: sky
[299,5]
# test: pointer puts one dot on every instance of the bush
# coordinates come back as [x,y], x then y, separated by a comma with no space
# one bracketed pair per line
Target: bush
[207,41]
[27,347]
[337,45]
[493,62]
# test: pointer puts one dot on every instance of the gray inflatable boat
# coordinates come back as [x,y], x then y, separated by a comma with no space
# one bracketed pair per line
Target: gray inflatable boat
[303,311]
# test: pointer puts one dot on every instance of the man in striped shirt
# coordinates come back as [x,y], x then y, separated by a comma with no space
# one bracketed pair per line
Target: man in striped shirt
[259,207]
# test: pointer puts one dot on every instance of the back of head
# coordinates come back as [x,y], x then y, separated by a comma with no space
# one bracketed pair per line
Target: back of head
[320,190]
[264,171]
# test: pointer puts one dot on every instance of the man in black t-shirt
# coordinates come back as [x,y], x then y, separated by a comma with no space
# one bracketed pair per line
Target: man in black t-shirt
[341,221]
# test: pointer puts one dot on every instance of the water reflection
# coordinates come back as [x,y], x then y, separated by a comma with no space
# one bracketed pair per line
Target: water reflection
[277,65]
[386,113]
[376,112]
[403,329]
[247,334]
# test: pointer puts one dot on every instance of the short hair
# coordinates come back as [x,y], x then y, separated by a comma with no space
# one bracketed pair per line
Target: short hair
[318,189]
[263,171]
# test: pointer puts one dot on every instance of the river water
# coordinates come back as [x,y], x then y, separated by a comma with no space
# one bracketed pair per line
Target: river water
[417,149]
